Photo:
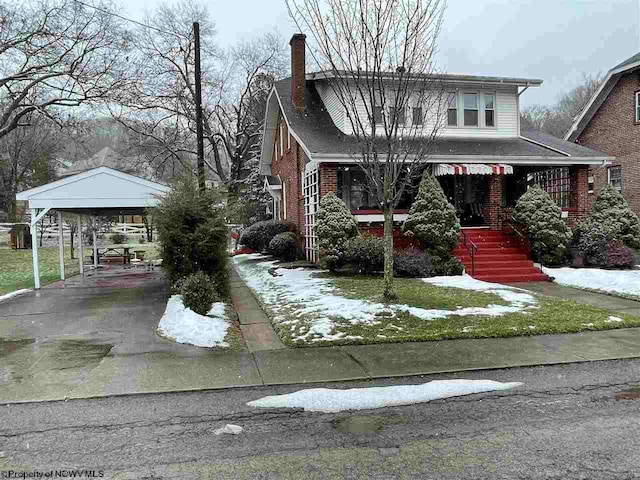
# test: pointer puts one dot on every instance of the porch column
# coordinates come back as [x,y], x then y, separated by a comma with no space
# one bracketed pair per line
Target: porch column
[495,201]
[578,192]
[328,178]
[61,244]
[95,245]
[34,247]
[80,246]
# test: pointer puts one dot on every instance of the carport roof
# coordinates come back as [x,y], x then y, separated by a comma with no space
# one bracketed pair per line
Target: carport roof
[101,190]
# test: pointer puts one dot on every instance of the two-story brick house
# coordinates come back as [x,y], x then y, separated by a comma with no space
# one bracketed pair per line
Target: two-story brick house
[610,122]
[482,160]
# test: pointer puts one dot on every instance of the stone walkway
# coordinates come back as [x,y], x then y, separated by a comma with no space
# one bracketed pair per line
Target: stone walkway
[254,323]
[601,300]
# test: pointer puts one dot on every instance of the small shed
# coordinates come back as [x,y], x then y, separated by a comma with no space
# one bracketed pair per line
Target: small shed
[101,191]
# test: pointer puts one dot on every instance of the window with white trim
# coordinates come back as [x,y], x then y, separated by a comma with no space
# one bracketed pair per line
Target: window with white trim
[418,118]
[452,109]
[377,113]
[397,114]
[281,139]
[615,177]
[637,106]
[288,139]
[470,109]
[489,110]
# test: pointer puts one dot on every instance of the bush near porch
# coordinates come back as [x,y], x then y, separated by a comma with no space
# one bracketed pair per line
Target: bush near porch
[311,308]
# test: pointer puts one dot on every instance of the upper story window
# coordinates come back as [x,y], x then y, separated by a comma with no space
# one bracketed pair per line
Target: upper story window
[637,106]
[452,109]
[378,112]
[417,119]
[471,109]
[615,177]
[489,110]
[281,139]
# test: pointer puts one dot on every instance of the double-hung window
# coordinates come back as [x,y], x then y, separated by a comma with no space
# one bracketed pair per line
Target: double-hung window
[489,110]
[615,177]
[378,112]
[637,106]
[452,109]
[397,115]
[417,116]
[471,109]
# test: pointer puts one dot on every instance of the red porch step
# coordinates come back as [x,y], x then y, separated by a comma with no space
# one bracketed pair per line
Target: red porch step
[499,258]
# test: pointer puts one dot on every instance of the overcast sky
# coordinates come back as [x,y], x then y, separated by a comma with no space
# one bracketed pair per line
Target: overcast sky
[555,40]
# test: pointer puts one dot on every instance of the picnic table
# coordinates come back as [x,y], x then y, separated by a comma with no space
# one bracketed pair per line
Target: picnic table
[118,252]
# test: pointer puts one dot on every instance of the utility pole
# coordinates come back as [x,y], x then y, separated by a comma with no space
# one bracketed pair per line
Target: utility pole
[199,133]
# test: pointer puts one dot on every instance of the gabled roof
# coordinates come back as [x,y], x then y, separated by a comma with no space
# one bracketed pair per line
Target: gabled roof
[107,157]
[322,141]
[101,188]
[598,98]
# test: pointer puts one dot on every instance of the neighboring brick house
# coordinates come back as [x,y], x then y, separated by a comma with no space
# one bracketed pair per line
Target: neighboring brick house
[610,123]
[482,160]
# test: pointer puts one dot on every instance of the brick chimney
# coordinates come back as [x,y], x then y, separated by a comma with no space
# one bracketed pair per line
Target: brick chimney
[297,70]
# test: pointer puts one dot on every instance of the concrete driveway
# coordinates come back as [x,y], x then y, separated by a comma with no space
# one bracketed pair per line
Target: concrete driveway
[96,336]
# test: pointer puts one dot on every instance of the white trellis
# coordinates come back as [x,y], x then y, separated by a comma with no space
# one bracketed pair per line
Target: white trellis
[311,201]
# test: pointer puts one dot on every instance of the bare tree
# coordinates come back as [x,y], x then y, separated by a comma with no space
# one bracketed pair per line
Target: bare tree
[55,54]
[379,57]
[557,119]
[160,105]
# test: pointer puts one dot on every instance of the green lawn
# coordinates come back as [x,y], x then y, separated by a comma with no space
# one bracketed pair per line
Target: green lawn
[554,315]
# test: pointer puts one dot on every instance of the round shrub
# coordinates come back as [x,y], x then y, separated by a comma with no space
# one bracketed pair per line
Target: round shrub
[284,246]
[334,226]
[619,255]
[432,219]
[592,244]
[412,263]
[258,235]
[365,254]
[548,232]
[198,293]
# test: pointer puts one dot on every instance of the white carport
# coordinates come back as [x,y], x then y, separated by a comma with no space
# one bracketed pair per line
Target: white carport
[101,191]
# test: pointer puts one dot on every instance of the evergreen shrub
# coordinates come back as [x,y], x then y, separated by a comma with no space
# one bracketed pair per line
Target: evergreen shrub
[258,235]
[334,227]
[365,254]
[198,293]
[412,263]
[284,246]
[549,234]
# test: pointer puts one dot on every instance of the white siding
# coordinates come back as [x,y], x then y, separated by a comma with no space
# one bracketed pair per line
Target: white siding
[331,103]
[506,114]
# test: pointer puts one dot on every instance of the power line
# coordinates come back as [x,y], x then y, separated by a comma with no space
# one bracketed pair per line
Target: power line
[103,10]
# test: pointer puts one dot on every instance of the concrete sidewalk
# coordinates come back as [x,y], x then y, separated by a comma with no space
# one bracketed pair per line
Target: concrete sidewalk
[172,371]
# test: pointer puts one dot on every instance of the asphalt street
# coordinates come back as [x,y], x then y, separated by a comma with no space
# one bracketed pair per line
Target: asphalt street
[565,422]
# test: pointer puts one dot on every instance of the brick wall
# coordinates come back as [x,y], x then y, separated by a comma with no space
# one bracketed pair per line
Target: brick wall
[613,130]
[496,183]
[579,205]
[328,178]
[289,165]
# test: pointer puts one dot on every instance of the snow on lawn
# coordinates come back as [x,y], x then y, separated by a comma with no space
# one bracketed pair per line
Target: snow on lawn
[296,296]
[183,325]
[14,294]
[329,400]
[625,282]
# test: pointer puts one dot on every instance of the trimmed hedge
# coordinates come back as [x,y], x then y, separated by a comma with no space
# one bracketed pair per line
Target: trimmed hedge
[284,246]
[258,235]
[365,254]
[412,263]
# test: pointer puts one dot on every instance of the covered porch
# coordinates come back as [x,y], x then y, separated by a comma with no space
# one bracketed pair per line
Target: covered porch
[100,192]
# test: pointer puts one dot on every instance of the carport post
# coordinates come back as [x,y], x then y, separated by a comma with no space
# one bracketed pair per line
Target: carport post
[95,247]
[61,244]
[80,247]
[34,247]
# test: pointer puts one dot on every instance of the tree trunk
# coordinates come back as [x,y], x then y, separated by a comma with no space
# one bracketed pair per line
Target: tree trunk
[389,294]
[71,243]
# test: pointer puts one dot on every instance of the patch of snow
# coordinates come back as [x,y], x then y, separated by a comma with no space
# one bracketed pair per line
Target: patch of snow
[228,429]
[588,325]
[9,295]
[329,400]
[613,319]
[183,325]
[296,293]
[532,327]
[610,281]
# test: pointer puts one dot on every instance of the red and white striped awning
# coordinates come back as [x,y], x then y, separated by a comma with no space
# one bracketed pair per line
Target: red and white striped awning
[472,169]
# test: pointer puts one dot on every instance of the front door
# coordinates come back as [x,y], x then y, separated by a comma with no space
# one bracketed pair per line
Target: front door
[469,194]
